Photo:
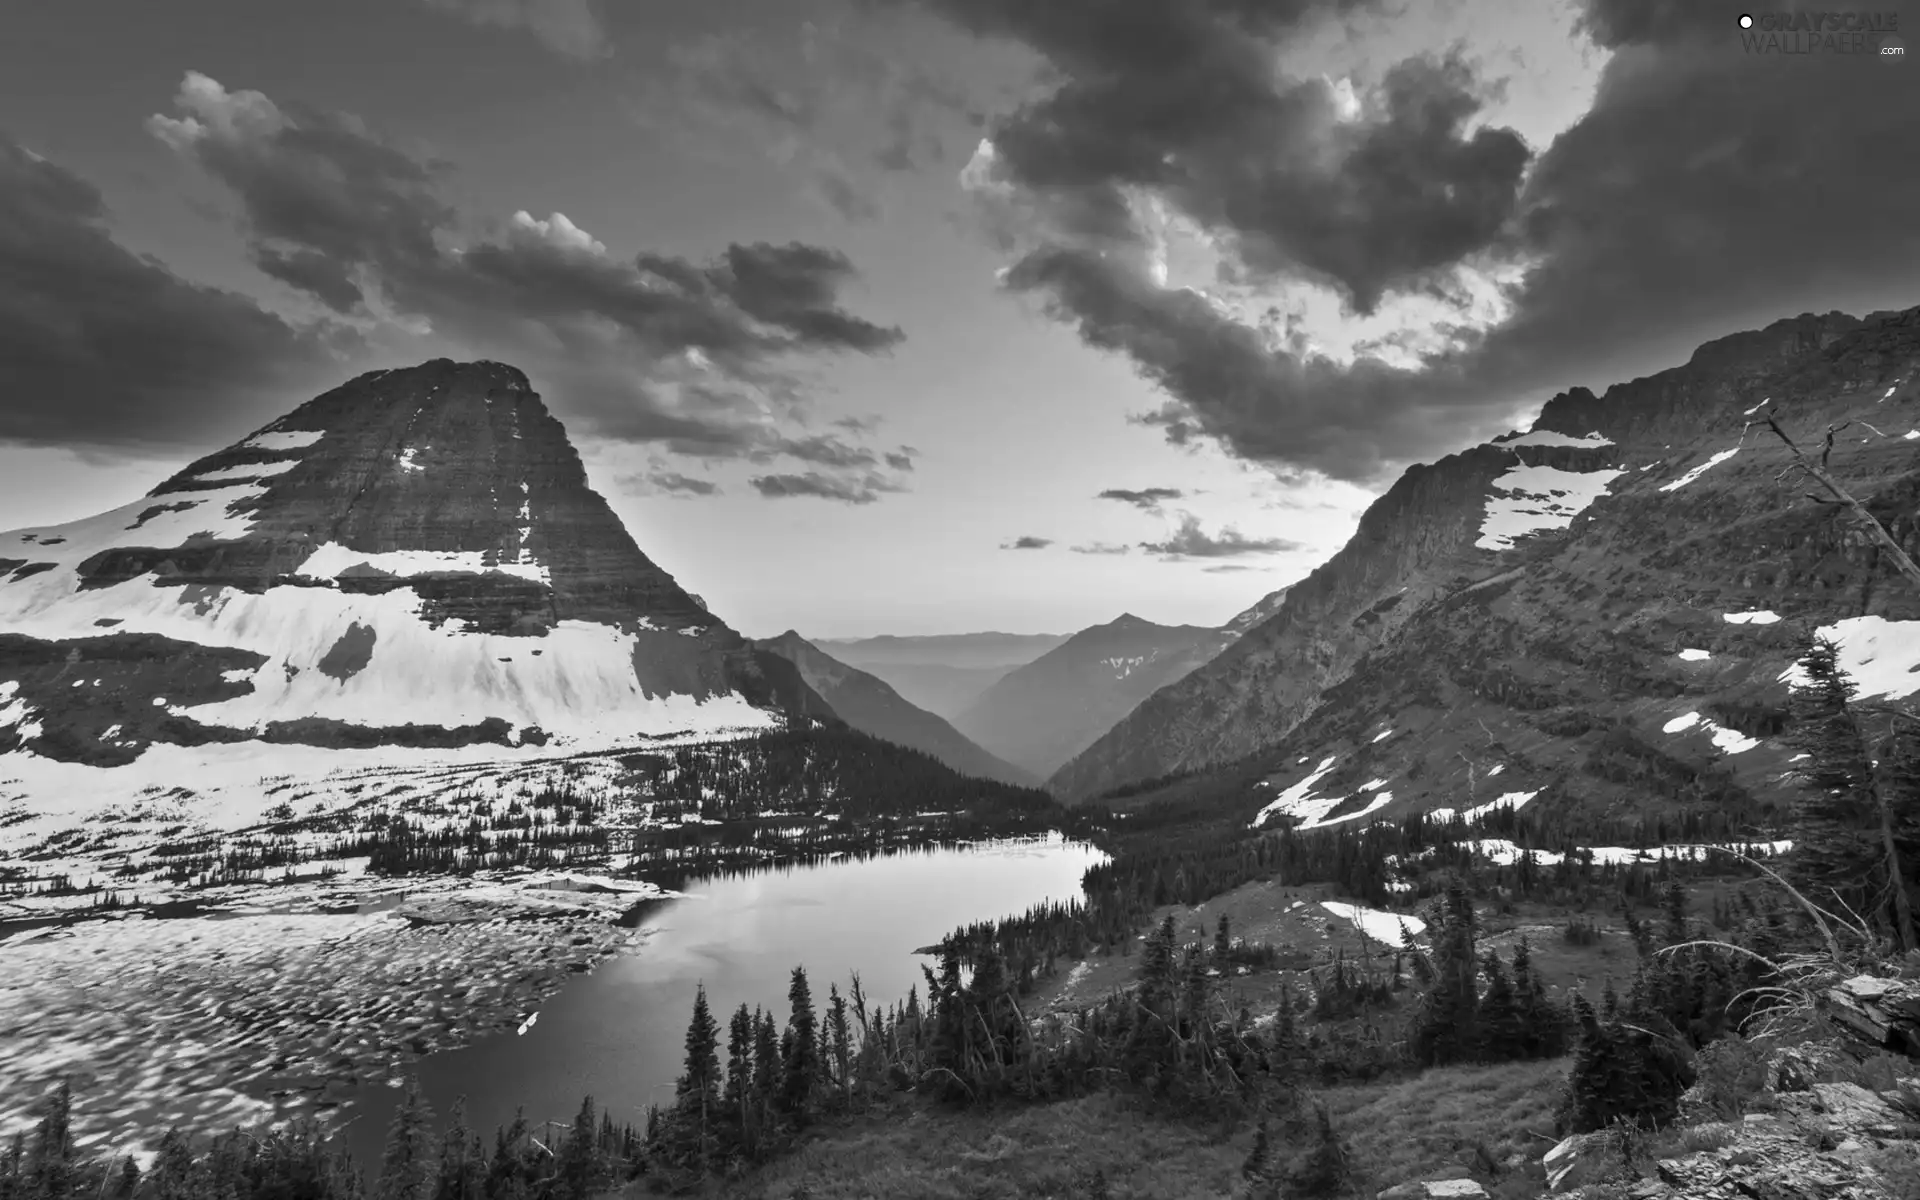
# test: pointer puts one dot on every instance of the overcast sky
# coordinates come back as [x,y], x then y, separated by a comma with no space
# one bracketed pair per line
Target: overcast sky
[915,316]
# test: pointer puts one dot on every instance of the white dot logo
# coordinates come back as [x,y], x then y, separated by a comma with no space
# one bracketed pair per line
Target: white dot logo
[1746,22]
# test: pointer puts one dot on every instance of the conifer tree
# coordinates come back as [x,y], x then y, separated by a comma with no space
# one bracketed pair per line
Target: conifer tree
[801,1057]
[582,1172]
[1326,1170]
[1222,943]
[1503,1036]
[840,1043]
[738,1096]
[51,1167]
[460,1172]
[407,1165]
[1834,855]
[697,1092]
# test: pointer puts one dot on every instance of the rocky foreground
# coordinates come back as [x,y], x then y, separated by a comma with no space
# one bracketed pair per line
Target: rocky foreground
[248,1015]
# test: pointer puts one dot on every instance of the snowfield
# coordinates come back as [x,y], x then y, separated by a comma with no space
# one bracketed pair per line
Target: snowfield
[1882,656]
[1533,499]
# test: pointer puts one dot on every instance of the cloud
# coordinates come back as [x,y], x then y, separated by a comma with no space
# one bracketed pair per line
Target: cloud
[1146,498]
[103,347]
[901,459]
[1231,568]
[1190,541]
[1027,542]
[863,490]
[686,485]
[695,356]
[1706,190]
[827,101]
[1101,548]
[567,27]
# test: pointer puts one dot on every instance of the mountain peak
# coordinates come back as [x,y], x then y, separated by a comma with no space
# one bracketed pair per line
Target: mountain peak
[418,548]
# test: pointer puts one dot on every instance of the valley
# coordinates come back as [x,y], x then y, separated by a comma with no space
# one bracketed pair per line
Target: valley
[367,767]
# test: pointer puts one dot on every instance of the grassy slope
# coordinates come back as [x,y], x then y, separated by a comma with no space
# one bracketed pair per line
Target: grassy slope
[1423,1128]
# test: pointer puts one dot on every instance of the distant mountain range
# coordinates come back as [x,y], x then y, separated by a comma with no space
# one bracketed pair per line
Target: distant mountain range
[943,673]
[868,704]
[1039,715]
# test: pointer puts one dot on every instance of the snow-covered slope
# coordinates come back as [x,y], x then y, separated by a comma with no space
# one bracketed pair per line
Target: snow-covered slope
[407,567]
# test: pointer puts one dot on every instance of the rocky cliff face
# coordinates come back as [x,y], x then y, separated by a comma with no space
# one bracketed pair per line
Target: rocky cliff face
[1629,562]
[412,559]
[1041,714]
[867,703]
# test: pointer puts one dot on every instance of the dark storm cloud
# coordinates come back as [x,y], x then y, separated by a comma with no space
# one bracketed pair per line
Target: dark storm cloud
[1027,542]
[863,490]
[1190,541]
[1707,190]
[1184,99]
[1145,498]
[101,346]
[652,348]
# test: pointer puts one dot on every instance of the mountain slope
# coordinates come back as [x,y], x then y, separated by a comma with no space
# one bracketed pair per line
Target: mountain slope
[1039,715]
[1526,603]
[869,705]
[1255,613]
[410,561]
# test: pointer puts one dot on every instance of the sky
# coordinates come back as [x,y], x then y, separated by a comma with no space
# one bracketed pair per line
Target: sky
[925,316]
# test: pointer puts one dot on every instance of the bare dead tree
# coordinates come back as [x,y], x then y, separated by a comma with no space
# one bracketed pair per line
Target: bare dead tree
[1803,465]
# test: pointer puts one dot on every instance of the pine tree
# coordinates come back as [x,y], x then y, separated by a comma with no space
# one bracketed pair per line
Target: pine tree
[738,1097]
[1503,1034]
[51,1168]
[1222,943]
[582,1173]
[802,1054]
[840,1043]
[1834,851]
[1326,1170]
[460,1173]
[1445,1028]
[407,1165]
[129,1179]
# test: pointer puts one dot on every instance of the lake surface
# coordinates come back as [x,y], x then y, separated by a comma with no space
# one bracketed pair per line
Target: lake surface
[619,1033]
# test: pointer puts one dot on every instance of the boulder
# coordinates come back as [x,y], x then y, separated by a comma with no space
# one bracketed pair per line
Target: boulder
[1436,1189]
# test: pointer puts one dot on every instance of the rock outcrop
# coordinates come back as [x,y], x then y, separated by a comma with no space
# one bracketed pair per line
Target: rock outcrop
[413,559]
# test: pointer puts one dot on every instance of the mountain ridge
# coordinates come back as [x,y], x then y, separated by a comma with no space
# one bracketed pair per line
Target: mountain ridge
[1640,470]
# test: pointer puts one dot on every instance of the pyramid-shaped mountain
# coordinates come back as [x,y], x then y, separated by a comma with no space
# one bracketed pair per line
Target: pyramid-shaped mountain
[413,559]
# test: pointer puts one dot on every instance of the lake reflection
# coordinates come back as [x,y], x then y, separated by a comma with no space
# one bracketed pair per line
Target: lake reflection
[618,1033]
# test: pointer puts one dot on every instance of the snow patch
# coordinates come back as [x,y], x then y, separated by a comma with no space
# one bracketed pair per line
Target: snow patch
[1382,736]
[248,471]
[1757,617]
[1546,437]
[1882,656]
[283,439]
[331,559]
[1695,655]
[1532,499]
[1700,470]
[407,462]
[1382,927]
[1730,741]
[1298,800]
